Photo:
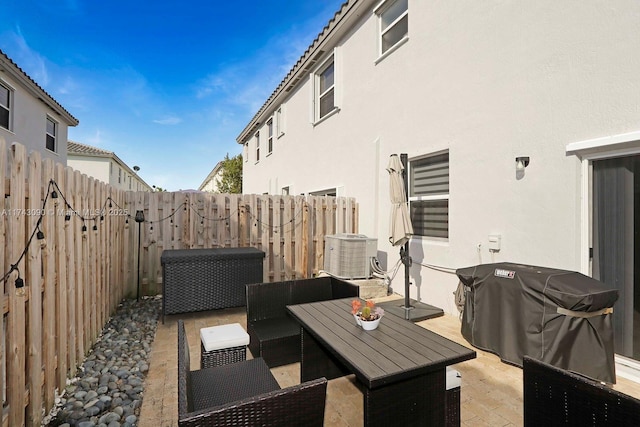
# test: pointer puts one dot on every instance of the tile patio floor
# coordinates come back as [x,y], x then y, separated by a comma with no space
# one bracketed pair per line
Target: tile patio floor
[491,393]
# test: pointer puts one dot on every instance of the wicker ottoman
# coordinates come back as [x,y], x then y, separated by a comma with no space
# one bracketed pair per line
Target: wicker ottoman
[452,398]
[221,345]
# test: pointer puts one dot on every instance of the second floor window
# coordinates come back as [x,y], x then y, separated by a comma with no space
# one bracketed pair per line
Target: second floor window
[393,18]
[5,106]
[52,131]
[324,99]
[257,146]
[280,121]
[270,136]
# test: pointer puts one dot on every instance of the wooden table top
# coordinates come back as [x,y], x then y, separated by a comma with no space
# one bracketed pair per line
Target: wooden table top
[398,349]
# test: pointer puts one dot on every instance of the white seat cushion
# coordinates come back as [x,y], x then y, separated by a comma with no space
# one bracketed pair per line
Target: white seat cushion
[223,336]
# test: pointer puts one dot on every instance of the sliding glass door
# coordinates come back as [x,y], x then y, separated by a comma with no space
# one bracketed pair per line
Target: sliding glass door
[616,243]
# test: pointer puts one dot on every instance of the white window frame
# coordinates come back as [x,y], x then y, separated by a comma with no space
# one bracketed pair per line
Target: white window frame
[437,197]
[53,136]
[316,95]
[9,106]
[270,136]
[257,138]
[379,11]
[279,121]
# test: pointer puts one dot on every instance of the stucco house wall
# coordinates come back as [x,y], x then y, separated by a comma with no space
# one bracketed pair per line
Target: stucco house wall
[486,82]
[30,106]
[210,183]
[105,166]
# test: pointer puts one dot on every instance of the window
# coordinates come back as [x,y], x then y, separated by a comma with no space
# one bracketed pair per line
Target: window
[119,176]
[393,20]
[429,196]
[5,106]
[280,121]
[285,191]
[326,80]
[270,139]
[327,192]
[257,146]
[324,96]
[52,131]
[246,151]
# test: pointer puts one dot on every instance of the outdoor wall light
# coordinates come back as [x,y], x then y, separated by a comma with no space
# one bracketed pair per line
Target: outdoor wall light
[139,218]
[521,163]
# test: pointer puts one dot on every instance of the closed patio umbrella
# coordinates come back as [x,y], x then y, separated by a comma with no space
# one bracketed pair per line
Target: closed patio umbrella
[400,228]
[400,232]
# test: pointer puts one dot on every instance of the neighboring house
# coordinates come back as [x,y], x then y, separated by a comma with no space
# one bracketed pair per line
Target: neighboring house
[210,183]
[464,88]
[29,115]
[105,166]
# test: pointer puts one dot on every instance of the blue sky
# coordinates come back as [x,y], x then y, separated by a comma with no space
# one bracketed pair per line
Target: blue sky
[167,85]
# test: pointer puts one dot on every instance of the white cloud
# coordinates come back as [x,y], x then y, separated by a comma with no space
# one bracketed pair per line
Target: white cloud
[29,60]
[168,121]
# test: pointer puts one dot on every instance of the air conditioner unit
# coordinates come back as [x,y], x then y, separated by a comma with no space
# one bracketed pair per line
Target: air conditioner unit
[348,256]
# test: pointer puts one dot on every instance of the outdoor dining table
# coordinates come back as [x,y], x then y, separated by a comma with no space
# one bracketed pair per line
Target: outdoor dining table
[401,365]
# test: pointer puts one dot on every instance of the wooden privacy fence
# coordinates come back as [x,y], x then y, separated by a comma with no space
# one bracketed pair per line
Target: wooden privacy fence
[289,229]
[73,242]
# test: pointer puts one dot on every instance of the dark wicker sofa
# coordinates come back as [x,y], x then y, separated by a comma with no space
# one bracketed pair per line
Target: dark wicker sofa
[243,394]
[274,335]
[556,397]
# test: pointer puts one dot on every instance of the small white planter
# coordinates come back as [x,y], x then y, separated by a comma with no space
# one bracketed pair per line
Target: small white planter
[370,325]
[367,325]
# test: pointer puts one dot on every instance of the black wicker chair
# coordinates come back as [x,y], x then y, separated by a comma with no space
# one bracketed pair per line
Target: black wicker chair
[555,397]
[274,335]
[243,394]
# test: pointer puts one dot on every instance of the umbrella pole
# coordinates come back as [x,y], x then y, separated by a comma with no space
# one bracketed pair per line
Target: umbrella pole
[404,251]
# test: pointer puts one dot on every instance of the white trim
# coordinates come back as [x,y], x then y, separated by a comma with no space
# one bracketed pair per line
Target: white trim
[585,218]
[56,131]
[326,116]
[379,10]
[603,143]
[627,368]
[625,144]
[391,50]
[10,107]
[330,60]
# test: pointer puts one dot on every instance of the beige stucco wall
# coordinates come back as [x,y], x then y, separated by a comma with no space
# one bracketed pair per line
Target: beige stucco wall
[487,81]
[30,123]
[96,167]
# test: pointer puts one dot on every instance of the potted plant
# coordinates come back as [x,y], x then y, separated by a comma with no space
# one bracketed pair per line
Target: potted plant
[368,316]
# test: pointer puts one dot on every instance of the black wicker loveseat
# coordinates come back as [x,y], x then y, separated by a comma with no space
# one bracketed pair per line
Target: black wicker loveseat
[243,394]
[556,397]
[274,335]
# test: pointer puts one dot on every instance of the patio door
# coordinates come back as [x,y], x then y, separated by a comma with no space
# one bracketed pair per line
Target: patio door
[616,243]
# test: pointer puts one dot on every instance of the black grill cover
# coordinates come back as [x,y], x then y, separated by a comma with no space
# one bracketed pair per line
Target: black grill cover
[512,310]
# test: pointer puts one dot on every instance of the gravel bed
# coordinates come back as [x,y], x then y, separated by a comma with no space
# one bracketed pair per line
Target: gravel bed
[109,386]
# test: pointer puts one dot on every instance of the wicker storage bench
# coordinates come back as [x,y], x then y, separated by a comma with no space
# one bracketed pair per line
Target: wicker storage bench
[274,335]
[207,279]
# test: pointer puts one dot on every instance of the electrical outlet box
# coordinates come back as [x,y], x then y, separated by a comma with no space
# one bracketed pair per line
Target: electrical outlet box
[494,242]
